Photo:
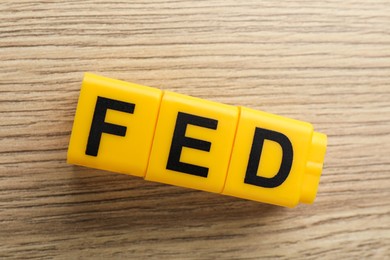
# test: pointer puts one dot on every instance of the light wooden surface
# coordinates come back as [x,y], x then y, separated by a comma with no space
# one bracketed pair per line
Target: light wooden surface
[325,62]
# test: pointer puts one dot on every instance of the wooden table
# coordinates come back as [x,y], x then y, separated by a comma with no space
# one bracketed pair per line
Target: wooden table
[325,62]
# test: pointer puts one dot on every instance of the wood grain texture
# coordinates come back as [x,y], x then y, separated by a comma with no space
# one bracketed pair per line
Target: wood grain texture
[325,62]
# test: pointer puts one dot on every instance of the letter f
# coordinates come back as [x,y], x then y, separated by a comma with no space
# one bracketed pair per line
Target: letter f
[99,126]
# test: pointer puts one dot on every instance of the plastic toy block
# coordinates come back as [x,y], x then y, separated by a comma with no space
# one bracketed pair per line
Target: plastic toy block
[276,160]
[114,125]
[192,143]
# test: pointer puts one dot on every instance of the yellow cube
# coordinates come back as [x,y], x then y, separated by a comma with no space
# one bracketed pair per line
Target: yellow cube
[114,125]
[275,159]
[192,143]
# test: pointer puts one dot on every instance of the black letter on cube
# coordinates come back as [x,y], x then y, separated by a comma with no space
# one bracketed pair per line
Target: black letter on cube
[99,126]
[254,159]
[179,140]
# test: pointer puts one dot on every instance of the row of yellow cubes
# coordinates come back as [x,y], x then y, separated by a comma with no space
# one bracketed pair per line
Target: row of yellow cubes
[195,143]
